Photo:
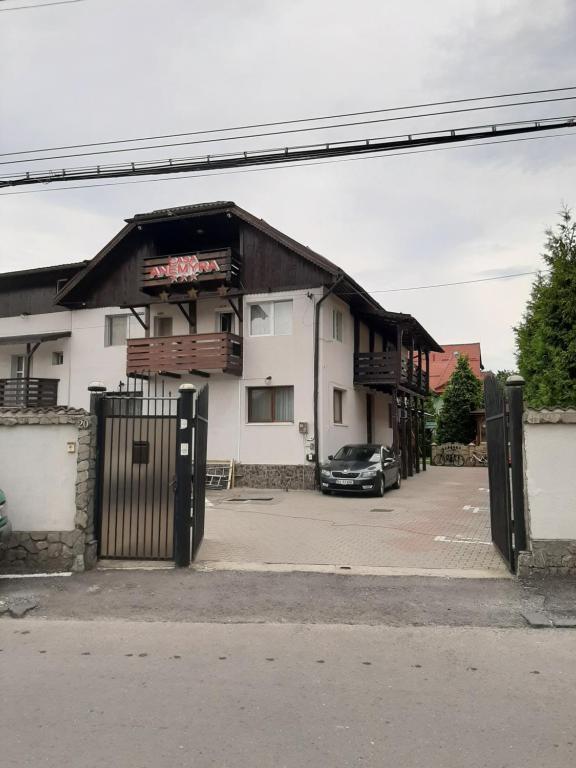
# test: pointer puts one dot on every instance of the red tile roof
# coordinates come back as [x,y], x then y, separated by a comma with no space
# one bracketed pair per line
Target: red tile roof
[442,364]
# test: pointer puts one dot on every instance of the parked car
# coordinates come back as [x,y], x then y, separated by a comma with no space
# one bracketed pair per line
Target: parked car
[5,527]
[363,468]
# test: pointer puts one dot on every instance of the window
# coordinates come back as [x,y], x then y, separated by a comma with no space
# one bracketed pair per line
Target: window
[60,284]
[269,404]
[162,326]
[225,322]
[338,406]
[337,325]
[116,330]
[57,358]
[18,366]
[271,318]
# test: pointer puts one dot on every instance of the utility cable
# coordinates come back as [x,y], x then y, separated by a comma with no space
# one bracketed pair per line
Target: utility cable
[284,155]
[289,122]
[282,133]
[380,156]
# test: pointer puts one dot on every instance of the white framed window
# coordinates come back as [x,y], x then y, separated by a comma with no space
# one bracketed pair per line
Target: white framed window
[270,404]
[163,325]
[338,406]
[225,321]
[337,320]
[57,358]
[115,330]
[18,366]
[271,318]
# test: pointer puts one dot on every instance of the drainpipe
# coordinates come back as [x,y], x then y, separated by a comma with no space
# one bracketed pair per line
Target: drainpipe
[317,373]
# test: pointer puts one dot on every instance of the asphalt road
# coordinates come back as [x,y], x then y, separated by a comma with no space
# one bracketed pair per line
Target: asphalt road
[298,598]
[164,695]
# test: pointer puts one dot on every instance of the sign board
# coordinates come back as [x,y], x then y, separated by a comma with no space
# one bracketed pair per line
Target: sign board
[183,269]
[213,266]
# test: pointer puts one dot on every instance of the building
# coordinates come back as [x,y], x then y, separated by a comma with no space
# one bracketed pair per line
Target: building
[443,364]
[299,358]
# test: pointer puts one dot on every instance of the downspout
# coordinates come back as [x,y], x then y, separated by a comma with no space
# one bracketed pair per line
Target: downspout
[317,373]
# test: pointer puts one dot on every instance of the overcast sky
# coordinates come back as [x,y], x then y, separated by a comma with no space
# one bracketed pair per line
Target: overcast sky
[108,69]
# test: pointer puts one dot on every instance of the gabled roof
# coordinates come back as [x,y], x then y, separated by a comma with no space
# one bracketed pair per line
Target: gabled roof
[349,288]
[442,364]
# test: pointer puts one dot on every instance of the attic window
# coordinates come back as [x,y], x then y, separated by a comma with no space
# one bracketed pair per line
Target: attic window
[60,284]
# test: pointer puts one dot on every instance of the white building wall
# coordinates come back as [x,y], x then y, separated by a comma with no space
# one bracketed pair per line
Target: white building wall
[39,476]
[550,450]
[337,372]
[288,360]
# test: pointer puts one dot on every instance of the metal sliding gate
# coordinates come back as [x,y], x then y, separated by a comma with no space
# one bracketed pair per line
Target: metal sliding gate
[505,465]
[151,471]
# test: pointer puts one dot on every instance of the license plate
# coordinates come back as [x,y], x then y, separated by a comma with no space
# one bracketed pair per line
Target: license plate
[344,482]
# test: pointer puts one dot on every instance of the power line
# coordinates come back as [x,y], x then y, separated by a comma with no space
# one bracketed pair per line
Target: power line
[284,132]
[284,155]
[290,122]
[284,167]
[460,282]
[40,5]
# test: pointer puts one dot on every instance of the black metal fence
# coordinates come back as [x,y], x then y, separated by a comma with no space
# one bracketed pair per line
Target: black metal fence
[504,436]
[147,446]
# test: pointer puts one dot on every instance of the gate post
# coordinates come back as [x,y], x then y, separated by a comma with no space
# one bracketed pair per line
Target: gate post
[97,389]
[515,394]
[183,496]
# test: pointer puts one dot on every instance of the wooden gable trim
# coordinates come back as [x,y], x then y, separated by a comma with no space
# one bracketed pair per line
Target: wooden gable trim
[93,263]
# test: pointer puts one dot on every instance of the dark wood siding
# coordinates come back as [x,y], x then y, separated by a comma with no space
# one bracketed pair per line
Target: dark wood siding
[271,266]
[32,292]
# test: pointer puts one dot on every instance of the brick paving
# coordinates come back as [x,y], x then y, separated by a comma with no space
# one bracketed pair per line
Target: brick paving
[439,519]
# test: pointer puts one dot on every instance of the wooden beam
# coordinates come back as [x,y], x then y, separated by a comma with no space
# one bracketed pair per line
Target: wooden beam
[30,349]
[417,446]
[137,316]
[200,373]
[237,310]
[186,315]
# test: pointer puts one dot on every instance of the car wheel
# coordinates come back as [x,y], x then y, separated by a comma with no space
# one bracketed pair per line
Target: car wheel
[398,482]
[380,486]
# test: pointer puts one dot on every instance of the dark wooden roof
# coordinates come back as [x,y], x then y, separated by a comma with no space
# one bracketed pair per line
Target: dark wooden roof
[348,289]
[32,338]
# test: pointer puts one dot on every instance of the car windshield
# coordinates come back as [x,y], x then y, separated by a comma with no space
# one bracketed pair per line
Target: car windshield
[358,453]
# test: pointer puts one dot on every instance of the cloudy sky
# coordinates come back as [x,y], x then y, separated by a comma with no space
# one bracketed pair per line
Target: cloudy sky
[107,69]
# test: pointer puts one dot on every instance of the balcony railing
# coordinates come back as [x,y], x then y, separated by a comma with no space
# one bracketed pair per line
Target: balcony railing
[380,369]
[205,352]
[28,393]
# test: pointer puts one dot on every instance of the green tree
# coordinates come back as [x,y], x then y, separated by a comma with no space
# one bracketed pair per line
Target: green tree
[546,337]
[503,375]
[463,393]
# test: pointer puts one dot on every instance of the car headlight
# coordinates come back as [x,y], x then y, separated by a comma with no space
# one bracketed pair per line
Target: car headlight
[326,473]
[368,473]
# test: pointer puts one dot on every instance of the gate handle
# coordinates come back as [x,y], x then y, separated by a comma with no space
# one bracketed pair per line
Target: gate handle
[174,484]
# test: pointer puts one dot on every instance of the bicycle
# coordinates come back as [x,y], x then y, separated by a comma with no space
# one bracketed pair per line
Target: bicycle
[477,460]
[448,458]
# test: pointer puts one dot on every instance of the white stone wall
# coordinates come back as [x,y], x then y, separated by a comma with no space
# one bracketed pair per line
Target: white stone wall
[550,452]
[38,475]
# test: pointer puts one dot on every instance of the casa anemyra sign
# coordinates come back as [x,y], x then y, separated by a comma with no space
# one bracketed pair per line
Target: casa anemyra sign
[159,272]
[183,269]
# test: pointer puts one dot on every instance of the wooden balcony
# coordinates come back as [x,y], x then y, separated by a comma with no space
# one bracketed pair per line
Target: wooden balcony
[201,352]
[380,370]
[28,393]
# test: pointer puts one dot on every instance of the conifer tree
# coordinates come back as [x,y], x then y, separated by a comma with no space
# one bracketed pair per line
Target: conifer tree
[546,337]
[463,394]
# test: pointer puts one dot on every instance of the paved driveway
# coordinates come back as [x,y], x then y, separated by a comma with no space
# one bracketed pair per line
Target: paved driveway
[439,520]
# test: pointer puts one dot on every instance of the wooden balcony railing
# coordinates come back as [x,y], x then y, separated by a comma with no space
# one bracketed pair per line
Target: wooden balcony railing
[206,352]
[28,393]
[380,369]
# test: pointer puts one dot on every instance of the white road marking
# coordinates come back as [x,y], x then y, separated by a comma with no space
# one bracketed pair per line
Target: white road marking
[461,540]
